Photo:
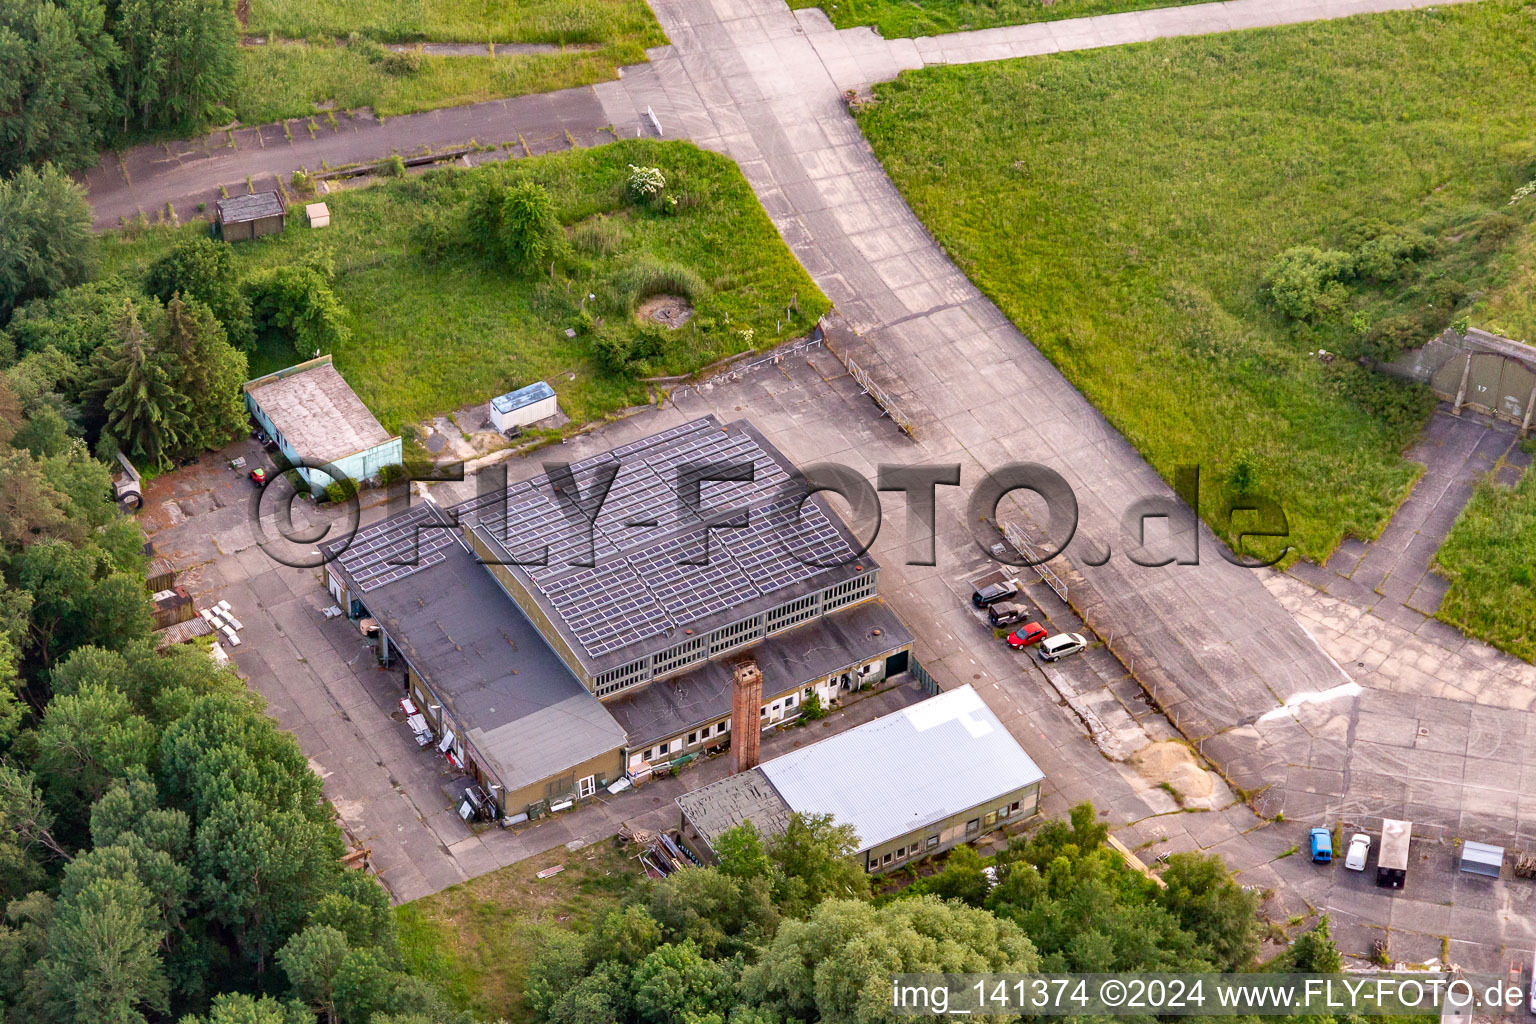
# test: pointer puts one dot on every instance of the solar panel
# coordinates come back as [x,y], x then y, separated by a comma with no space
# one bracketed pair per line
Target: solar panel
[779,548]
[607,607]
[396,548]
[644,537]
[687,591]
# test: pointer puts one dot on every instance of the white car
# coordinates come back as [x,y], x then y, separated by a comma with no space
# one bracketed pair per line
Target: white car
[1061,645]
[1359,849]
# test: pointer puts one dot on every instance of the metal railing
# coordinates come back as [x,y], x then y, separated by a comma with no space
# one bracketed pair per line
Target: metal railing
[1021,543]
[880,395]
[773,358]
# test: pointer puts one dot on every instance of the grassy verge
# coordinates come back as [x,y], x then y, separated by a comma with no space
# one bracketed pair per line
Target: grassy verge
[314,67]
[1490,559]
[286,80]
[905,18]
[1509,309]
[429,336]
[473,941]
[562,22]
[1123,207]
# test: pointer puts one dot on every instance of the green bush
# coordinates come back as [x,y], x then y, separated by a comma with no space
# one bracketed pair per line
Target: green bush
[400,63]
[636,353]
[1388,256]
[1388,338]
[297,302]
[390,473]
[1306,283]
[338,491]
[811,709]
[393,166]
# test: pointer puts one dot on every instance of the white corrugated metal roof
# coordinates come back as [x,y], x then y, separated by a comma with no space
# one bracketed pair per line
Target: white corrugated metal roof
[907,769]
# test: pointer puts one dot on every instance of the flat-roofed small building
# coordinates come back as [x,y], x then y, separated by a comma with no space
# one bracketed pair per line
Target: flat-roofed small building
[911,784]
[524,406]
[316,419]
[241,218]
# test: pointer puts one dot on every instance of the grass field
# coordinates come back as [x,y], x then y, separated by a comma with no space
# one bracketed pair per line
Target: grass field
[287,80]
[563,22]
[430,336]
[310,64]
[904,18]
[474,940]
[1490,558]
[1122,207]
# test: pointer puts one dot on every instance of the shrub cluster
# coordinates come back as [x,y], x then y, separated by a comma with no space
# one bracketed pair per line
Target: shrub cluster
[1308,283]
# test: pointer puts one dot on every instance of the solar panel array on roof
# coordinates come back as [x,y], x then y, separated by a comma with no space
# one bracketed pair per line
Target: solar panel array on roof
[396,547]
[645,538]
[607,606]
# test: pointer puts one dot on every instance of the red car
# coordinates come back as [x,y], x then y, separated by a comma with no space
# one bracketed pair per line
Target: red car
[258,476]
[1029,633]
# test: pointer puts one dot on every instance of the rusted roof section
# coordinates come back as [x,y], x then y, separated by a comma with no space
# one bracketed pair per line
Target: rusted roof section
[256,206]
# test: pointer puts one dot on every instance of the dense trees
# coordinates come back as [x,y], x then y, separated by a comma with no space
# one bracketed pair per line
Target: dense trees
[45,230]
[165,849]
[81,73]
[204,270]
[179,61]
[771,935]
[56,96]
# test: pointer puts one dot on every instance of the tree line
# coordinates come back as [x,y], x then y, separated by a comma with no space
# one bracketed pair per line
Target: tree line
[784,929]
[83,74]
[166,852]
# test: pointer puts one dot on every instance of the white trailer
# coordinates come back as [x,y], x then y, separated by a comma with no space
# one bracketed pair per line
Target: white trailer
[524,406]
[1392,860]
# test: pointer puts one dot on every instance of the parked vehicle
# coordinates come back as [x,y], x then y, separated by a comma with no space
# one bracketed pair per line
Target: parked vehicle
[992,593]
[1006,613]
[1062,644]
[1322,846]
[1392,855]
[1025,635]
[1359,849]
[258,476]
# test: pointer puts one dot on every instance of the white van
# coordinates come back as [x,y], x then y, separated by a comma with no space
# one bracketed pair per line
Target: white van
[1053,648]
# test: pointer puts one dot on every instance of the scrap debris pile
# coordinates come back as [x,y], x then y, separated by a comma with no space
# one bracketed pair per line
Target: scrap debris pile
[660,853]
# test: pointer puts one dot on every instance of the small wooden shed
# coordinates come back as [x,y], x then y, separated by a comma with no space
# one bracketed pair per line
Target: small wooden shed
[244,217]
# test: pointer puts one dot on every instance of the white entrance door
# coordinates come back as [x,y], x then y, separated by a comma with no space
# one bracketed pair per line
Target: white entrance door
[586,787]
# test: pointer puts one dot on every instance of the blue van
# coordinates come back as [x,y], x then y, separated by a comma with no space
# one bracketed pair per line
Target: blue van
[1322,846]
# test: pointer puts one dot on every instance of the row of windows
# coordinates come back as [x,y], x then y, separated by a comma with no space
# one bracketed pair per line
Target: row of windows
[735,634]
[696,737]
[972,827]
[848,592]
[794,612]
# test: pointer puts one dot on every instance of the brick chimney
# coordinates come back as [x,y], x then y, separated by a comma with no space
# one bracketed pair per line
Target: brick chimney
[746,709]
